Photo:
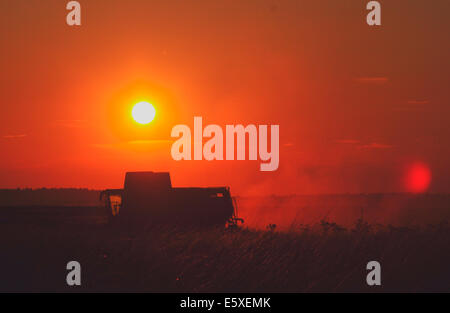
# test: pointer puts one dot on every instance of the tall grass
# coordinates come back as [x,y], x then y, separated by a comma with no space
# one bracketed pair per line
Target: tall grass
[319,258]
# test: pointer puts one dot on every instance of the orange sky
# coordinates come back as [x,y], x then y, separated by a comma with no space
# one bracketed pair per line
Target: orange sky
[356,104]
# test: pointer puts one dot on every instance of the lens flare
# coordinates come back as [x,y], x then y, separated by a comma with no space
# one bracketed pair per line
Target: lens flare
[143,112]
[418,178]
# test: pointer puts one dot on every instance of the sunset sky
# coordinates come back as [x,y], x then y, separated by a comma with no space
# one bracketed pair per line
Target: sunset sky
[357,105]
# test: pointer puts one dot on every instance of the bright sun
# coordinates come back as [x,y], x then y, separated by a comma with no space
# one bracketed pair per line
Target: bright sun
[143,112]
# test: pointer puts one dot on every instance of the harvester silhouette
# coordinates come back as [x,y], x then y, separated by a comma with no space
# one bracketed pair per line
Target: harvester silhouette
[150,197]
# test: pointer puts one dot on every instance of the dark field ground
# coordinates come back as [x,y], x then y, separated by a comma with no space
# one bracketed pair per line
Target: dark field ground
[36,244]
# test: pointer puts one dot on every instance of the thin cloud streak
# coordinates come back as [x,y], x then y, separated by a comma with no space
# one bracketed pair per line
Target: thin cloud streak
[372,80]
[14,136]
[71,123]
[375,145]
[347,141]
[131,143]
[418,101]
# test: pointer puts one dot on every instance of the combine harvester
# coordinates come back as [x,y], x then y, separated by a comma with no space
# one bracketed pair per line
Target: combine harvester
[149,197]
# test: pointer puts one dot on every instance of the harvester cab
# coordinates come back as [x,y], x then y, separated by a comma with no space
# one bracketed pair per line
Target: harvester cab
[150,197]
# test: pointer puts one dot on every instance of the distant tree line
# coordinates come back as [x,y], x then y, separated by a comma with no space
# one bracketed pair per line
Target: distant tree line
[49,197]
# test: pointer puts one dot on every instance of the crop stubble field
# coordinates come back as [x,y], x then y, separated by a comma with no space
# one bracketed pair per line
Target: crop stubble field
[318,256]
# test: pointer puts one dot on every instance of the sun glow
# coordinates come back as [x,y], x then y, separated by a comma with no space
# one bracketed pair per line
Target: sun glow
[143,112]
[418,178]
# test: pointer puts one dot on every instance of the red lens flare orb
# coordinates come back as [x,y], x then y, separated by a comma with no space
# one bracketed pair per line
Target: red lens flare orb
[418,178]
